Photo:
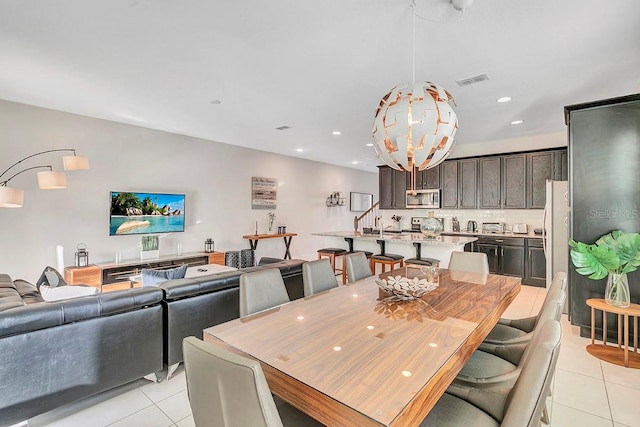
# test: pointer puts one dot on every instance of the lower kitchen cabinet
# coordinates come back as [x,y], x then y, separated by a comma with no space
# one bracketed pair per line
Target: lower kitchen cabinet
[504,254]
[536,264]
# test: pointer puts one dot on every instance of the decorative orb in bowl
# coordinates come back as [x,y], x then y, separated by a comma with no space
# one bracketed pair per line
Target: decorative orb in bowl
[405,288]
[431,227]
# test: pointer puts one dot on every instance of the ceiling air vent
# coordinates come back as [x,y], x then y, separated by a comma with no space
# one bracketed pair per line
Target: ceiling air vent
[283,127]
[471,80]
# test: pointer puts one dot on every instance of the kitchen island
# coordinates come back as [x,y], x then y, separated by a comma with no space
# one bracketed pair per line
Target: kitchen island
[399,243]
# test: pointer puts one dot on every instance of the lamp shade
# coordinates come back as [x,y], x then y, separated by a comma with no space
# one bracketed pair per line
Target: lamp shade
[51,180]
[75,163]
[415,126]
[11,197]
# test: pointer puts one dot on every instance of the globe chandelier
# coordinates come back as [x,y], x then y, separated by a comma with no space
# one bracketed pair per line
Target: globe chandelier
[414,124]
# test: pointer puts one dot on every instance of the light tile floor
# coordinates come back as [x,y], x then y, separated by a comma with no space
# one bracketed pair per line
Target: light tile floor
[586,392]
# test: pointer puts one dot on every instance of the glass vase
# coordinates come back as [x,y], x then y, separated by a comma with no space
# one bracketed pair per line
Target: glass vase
[431,227]
[617,291]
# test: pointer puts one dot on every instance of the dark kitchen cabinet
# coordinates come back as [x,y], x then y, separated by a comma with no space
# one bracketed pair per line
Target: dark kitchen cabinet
[604,137]
[489,182]
[392,188]
[514,181]
[425,180]
[505,254]
[492,254]
[449,184]
[535,264]
[512,259]
[468,184]
[541,167]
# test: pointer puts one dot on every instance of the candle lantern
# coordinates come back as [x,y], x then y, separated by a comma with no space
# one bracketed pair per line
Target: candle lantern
[208,245]
[82,256]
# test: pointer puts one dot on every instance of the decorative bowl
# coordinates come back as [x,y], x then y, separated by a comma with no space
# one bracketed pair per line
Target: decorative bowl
[406,288]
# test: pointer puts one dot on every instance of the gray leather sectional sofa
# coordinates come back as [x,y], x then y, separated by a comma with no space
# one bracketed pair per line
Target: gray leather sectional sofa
[53,353]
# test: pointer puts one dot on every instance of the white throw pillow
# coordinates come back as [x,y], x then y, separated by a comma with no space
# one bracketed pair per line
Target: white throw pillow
[65,292]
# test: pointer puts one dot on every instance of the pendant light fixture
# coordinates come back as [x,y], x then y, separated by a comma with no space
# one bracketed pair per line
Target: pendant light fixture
[414,124]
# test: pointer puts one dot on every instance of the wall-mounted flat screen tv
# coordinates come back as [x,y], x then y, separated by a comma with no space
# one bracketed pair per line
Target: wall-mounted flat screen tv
[145,213]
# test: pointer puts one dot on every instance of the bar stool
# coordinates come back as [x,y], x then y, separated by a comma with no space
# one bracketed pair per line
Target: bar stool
[418,260]
[385,259]
[332,254]
[367,254]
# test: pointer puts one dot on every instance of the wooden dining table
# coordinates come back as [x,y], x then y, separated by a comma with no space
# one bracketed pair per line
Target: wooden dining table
[354,356]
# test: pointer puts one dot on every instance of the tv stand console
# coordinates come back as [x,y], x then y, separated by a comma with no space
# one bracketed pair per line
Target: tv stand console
[112,276]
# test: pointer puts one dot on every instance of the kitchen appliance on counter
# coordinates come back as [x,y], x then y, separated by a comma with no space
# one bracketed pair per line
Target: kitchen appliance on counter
[472,226]
[416,222]
[426,199]
[493,227]
[520,229]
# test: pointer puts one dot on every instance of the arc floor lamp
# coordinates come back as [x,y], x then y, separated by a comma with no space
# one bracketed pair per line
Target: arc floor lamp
[11,197]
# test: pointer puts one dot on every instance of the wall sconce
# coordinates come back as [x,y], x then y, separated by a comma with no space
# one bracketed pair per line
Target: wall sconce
[47,180]
[335,199]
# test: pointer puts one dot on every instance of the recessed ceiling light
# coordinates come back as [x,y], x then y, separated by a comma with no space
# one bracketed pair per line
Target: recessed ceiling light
[215,101]
[516,122]
[299,150]
[370,144]
[504,99]
[336,132]
[355,162]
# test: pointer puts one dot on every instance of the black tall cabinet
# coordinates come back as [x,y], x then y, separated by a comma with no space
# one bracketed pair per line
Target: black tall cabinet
[604,187]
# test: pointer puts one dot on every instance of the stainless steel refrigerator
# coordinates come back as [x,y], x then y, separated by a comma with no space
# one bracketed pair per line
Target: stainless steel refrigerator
[556,228]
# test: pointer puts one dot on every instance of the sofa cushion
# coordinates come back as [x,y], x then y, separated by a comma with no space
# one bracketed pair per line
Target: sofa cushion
[151,277]
[66,292]
[28,291]
[51,278]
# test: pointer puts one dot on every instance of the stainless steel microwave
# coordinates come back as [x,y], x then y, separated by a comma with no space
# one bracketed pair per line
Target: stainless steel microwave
[426,199]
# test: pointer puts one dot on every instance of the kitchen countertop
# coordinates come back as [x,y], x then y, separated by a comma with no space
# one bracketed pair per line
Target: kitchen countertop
[457,240]
[529,235]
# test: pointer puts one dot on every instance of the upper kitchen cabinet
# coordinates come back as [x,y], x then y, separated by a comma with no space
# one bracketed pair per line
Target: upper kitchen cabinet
[392,188]
[489,182]
[425,180]
[541,167]
[468,184]
[449,184]
[514,181]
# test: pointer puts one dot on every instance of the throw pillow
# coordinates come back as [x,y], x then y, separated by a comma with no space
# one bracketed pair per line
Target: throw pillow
[152,277]
[51,278]
[66,292]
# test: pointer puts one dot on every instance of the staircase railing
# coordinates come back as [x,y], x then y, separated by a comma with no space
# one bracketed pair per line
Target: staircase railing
[369,219]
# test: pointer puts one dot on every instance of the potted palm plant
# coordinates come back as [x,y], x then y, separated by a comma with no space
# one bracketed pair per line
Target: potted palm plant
[613,255]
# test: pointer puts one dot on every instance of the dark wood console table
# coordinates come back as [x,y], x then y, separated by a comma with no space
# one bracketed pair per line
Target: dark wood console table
[254,238]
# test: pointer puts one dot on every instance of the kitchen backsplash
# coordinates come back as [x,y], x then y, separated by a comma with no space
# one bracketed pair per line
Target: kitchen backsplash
[531,217]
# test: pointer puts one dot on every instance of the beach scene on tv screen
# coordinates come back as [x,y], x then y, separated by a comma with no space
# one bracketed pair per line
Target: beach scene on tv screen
[143,213]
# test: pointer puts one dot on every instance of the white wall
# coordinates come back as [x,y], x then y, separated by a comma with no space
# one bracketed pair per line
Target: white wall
[215,177]
[526,143]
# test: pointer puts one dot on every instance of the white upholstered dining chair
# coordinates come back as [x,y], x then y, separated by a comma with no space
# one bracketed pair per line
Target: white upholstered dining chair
[228,390]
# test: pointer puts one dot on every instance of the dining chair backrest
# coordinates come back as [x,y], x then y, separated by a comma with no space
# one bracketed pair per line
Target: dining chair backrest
[548,313]
[357,266]
[260,290]
[318,276]
[526,401]
[471,262]
[226,389]
[559,281]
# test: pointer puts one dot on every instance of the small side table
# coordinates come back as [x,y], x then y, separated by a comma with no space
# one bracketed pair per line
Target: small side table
[253,241]
[617,355]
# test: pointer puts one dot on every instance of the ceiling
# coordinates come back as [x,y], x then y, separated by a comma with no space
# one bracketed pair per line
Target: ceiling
[316,66]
